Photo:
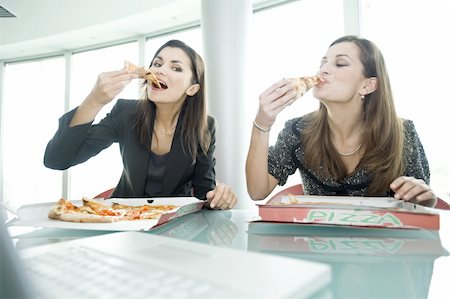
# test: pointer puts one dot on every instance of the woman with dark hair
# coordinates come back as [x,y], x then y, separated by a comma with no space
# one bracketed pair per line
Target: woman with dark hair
[166,140]
[354,144]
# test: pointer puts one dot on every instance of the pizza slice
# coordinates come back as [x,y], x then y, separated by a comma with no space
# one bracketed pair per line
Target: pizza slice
[142,72]
[143,211]
[303,84]
[66,211]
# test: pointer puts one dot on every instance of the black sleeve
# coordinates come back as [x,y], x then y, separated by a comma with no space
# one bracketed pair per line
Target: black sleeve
[416,160]
[73,145]
[280,162]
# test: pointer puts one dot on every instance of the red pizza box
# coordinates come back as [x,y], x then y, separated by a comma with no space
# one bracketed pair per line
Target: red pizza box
[349,211]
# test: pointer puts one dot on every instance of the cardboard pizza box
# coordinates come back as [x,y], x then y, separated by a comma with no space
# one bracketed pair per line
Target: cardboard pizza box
[37,214]
[383,212]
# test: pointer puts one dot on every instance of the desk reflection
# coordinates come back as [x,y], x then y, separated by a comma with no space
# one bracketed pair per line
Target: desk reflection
[366,263]
[208,227]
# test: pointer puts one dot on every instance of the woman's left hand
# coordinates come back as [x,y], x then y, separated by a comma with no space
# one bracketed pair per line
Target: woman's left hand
[414,190]
[221,197]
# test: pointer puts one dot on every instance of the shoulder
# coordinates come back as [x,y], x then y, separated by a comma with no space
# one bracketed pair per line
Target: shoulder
[408,125]
[411,138]
[211,123]
[409,129]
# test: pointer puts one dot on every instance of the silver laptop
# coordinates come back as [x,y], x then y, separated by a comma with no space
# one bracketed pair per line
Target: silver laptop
[142,265]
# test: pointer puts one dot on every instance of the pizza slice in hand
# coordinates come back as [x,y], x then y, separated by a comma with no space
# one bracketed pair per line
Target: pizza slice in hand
[303,84]
[142,72]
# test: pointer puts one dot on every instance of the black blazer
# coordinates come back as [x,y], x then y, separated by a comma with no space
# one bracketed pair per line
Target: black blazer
[73,145]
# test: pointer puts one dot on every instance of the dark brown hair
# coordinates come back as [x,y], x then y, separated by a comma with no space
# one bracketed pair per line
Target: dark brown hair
[382,129]
[193,114]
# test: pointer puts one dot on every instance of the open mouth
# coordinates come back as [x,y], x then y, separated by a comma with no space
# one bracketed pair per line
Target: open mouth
[162,84]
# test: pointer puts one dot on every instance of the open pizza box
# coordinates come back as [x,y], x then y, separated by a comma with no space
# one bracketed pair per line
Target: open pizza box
[368,212]
[37,214]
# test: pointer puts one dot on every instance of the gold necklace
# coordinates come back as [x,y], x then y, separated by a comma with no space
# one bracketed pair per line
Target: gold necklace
[352,152]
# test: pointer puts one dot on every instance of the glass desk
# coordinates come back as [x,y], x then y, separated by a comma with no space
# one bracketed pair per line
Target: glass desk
[366,263]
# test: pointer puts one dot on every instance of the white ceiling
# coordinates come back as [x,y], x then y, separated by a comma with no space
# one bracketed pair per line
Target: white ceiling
[46,26]
[42,27]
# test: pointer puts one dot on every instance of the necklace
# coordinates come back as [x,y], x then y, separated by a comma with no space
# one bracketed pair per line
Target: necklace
[352,152]
[165,133]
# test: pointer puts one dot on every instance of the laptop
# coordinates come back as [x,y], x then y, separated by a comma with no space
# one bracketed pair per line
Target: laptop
[143,265]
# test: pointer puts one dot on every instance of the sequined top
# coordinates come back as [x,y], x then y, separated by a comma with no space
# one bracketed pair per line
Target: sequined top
[287,155]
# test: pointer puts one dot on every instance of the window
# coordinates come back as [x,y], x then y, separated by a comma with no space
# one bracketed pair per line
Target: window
[415,54]
[285,46]
[103,171]
[33,100]
[192,37]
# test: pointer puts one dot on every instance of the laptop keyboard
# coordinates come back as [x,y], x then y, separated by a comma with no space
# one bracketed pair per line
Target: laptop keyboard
[90,274]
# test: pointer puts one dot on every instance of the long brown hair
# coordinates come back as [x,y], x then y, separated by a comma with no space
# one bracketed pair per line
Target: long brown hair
[382,129]
[193,116]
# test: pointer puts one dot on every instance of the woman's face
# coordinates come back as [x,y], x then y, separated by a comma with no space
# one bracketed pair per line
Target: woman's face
[342,73]
[172,67]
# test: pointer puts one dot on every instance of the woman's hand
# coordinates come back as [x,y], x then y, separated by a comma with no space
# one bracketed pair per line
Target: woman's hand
[272,101]
[109,85]
[414,190]
[221,197]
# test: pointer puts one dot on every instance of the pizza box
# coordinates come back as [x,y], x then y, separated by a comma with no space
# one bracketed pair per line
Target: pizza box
[385,212]
[36,214]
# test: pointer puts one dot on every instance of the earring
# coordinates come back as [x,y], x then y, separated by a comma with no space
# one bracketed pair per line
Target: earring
[362,97]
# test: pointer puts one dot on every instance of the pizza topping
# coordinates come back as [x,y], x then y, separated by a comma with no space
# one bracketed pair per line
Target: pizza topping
[143,73]
[303,84]
[98,211]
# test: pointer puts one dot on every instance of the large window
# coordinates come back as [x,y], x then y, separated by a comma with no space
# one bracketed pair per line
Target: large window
[103,171]
[33,99]
[192,37]
[416,56]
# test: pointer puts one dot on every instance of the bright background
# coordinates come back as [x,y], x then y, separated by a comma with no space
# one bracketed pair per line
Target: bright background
[287,40]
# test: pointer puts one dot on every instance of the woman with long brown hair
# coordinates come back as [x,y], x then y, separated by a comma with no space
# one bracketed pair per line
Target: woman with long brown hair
[167,140]
[354,144]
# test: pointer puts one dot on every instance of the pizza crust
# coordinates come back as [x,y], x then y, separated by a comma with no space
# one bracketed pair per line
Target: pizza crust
[142,72]
[90,218]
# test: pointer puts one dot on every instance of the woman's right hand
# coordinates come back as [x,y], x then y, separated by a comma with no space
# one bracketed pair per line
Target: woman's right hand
[273,100]
[109,85]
